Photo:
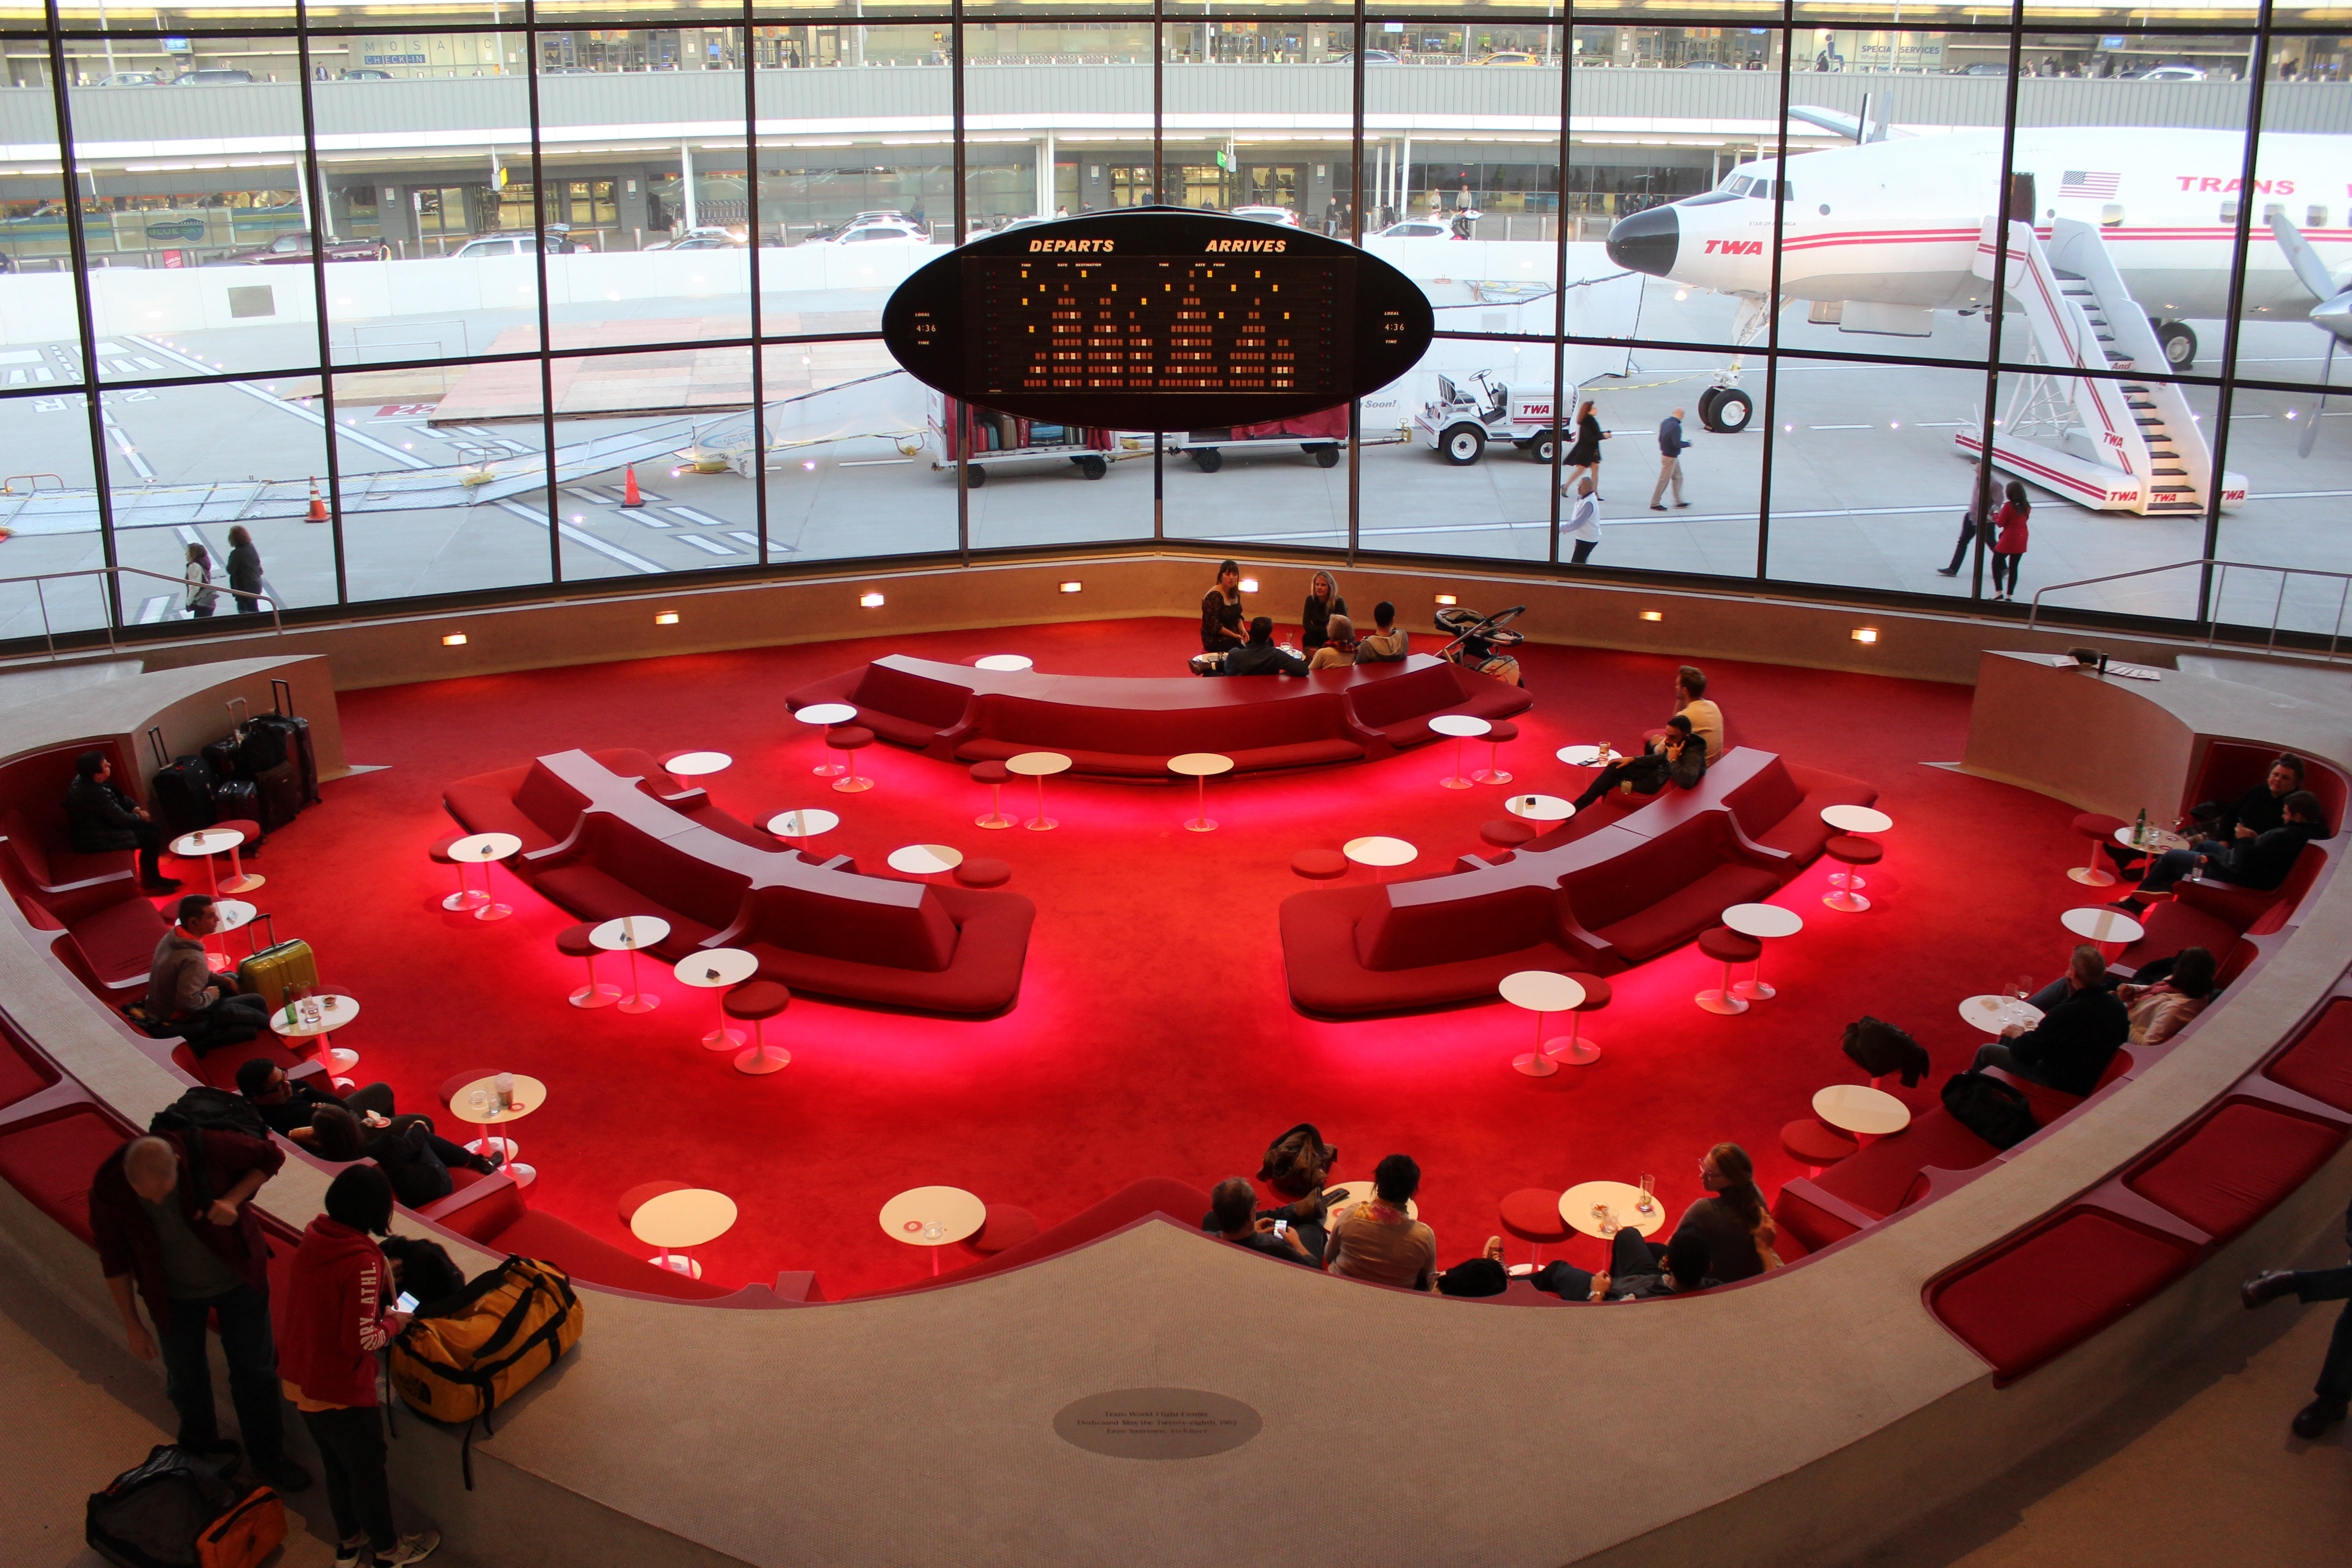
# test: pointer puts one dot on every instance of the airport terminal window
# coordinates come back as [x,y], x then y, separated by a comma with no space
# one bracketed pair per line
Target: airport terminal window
[510,265]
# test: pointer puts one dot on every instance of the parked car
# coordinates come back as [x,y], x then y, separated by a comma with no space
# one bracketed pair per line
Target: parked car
[130,78]
[296,246]
[1707,65]
[1981,68]
[703,236]
[1419,228]
[211,78]
[882,231]
[980,228]
[363,74]
[1371,57]
[2172,73]
[552,243]
[1268,215]
[1510,58]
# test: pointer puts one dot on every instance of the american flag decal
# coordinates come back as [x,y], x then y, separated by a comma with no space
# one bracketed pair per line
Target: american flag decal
[2098,187]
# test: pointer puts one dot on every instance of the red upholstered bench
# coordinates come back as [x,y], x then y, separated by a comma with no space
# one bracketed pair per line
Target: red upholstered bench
[51,1159]
[1179,1202]
[23,1070]
[901,706]
[2229,1168]
[66,883]
[2319,1061]
[2048,1289]
[1888,1176]
[2213,915]
[112,949]
[1780,808]
[1661,893]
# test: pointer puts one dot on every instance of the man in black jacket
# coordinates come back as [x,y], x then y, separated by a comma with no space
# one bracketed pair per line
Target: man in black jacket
[1671,447]
[100,817]
[2308,1284]
[2255,812]
[2256,860]
[2076,1039]
[1260,657]
[1681,757]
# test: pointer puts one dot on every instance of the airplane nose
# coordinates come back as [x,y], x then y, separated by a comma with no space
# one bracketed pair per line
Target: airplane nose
[1647,241]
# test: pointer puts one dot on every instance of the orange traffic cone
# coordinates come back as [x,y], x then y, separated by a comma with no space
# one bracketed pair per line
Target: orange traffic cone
[629,496]
[318,507]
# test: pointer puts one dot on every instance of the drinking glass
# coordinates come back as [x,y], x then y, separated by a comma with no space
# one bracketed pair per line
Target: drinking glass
[1648,1204]
[479,1103]
[1607,1217]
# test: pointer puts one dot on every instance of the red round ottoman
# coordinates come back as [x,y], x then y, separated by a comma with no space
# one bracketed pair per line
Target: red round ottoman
[573,941]
[1532,1213]
[1848,850]
[465,898]
[755,1002]
[1005,1226]
[1507,833]
[1320,865]
[983,873]
[1728,947]
[1814,1144]
[1501,731]
[849,739]
[644,1192]
[996,775]
[2100,829]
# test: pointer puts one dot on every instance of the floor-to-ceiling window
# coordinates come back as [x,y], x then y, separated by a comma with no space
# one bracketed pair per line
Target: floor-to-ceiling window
[531,294]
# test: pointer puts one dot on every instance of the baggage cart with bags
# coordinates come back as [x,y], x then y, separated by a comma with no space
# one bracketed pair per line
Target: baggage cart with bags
[178,1510]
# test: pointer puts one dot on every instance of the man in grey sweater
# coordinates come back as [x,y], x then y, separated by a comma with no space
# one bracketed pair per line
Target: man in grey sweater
[183,991]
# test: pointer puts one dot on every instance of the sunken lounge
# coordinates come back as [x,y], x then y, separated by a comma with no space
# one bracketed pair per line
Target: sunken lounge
[865,1020]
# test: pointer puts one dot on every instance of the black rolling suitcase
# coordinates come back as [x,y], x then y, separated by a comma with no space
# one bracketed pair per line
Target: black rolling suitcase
[183,790]
[239,801]
[279,737]
[280,791]
[221,757]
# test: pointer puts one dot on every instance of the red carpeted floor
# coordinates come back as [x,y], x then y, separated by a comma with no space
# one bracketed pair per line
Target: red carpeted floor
[1153,1036]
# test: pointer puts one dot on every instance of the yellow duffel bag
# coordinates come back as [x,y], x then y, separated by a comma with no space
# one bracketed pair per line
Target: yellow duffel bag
[483,1345]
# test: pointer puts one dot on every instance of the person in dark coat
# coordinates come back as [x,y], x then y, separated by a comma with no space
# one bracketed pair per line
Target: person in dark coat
[1681,758]
[2256,812]
[1584,453]
[101,817]
[2257,860]
[1972,522]
[243,571]
[2077,1037]
[1260,657]
[1671,447]
[2334,1389]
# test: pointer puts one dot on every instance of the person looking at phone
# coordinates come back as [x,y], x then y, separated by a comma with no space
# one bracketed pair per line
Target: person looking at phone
[1233,1208]
[338,1314]
[1680,758]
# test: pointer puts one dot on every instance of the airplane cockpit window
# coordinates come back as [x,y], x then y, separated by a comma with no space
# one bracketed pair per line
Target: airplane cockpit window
[1761,188]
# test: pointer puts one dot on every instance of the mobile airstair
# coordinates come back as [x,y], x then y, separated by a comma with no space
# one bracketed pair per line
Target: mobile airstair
[2110,445]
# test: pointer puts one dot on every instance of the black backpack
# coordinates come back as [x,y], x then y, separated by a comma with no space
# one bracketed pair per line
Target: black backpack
[1993,1110]
[207,1110]
[176,1510]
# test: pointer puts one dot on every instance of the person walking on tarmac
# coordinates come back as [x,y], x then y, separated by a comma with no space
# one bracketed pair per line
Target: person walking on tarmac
[1671,447]
[1972,522]
[1584,520]
[2010,535]
[1585,452]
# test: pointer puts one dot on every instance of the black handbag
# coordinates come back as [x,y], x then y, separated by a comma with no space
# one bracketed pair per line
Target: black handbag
[1878,1047]
[1993,1110]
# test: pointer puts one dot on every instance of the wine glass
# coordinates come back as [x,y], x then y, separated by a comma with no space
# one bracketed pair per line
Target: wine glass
[479,1103]
[1648,1204]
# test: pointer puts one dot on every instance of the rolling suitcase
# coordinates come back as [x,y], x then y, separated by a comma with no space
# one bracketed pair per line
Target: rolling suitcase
[281,789]
[221,756]
[270,970]
[291,736]
[183,790]
[239,801]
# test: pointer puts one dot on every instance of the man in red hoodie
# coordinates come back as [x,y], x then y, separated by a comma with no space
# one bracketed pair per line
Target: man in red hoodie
[337,1317]
[190,1245]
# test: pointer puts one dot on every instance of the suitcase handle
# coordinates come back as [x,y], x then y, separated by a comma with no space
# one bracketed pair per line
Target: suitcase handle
[281,696]
[261,918]
[238,713]
[155,739]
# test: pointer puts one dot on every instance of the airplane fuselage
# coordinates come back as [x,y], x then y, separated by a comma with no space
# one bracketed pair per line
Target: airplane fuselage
[1898,222]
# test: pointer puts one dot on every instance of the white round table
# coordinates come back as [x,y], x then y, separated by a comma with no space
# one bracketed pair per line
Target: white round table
[1859,1109]
[2159,839]
[1461,727]
[529,1094]
[1038,765]
[1201,766]
[1994,1014]
[1379,852]
[924,860]
[686,1217]
[481,850]
[1542,991]
[1765,922]
[820,715]
[1539,807]
[1856,819]
[1621,1202]
[803,824]
[932,1217]
[716,969]
[1587,756]
[207,842]
[294,1022]
[1350,1195]
[1008,662]
[234,914]
[2108,927]
[627,934]
[694,764]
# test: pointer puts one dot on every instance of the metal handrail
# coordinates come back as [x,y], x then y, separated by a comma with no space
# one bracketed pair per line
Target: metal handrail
[48,633]
[2213,624]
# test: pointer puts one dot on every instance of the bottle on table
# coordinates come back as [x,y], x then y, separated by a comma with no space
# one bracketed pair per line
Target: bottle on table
[2139,830]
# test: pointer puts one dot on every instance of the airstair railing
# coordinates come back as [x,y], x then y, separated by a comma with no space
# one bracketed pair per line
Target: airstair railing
[2221,577]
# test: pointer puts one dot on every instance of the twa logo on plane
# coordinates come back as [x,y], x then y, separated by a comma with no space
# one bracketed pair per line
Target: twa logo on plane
[1735,247]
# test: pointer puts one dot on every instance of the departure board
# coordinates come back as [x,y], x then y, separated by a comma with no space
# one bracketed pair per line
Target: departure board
[1196,325]
[1157,319]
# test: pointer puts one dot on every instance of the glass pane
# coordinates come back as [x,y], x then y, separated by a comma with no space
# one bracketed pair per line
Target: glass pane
[53,513]
[192,462]
[2300,239]
[438,506]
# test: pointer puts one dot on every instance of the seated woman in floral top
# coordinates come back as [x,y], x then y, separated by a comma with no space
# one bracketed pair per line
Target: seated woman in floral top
[2160,1008]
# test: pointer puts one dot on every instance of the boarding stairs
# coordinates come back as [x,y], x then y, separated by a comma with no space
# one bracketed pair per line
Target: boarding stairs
[2108,445]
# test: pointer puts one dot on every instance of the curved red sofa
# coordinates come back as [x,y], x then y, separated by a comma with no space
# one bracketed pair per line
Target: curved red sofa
[1127,728]
[603,838]
[1596,897]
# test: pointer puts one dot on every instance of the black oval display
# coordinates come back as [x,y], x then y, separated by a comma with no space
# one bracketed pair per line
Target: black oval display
[1158,319]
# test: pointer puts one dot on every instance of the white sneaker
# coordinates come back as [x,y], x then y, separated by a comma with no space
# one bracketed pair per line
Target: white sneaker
[349,1552]
[413,1548]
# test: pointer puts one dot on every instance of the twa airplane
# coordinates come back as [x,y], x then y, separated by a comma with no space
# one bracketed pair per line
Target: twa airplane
[1882,234]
